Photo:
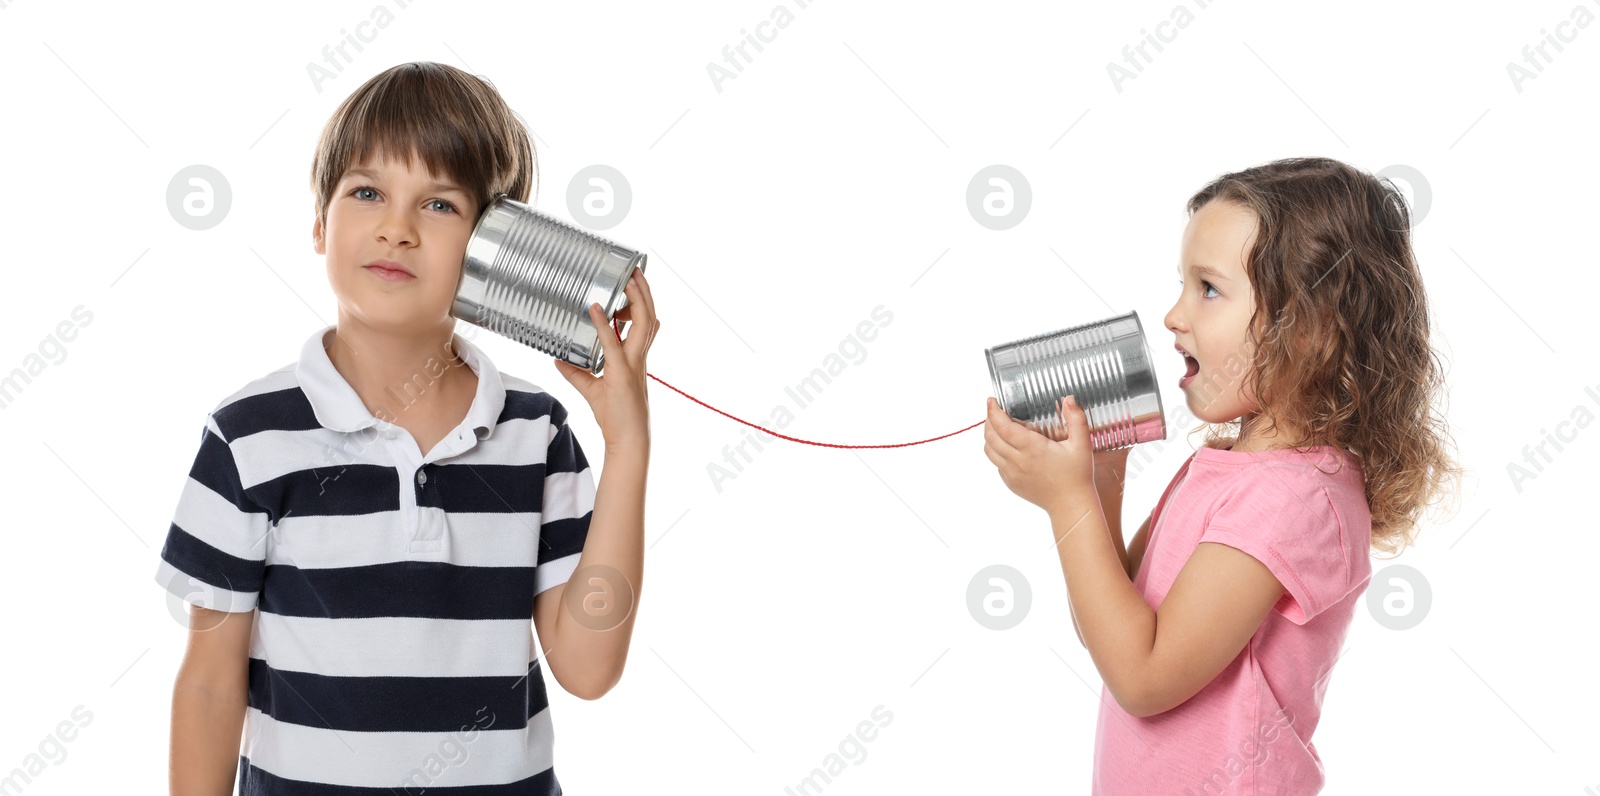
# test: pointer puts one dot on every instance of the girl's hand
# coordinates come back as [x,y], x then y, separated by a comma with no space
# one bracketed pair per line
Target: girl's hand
[618,396]
[1055,475]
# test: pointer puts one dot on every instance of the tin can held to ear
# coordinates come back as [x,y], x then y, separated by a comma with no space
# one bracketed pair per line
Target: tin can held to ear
[1106,365]
[531,277]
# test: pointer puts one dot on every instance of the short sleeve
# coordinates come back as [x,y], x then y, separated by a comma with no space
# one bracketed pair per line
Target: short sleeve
[215,551]
[568,504]
[1281,515]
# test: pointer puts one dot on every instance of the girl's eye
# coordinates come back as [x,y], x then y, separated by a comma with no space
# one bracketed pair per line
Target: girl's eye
[450,208]
[1207,285]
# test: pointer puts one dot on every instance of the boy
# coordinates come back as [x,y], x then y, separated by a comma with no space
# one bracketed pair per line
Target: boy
[366,533]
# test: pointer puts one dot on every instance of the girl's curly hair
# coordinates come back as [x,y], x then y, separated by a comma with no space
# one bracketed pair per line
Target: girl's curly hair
[1340,334]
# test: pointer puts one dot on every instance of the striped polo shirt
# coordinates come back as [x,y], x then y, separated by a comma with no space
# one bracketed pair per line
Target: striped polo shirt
[393,649]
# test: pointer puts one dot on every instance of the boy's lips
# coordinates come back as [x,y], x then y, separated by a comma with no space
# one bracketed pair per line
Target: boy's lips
[389,269]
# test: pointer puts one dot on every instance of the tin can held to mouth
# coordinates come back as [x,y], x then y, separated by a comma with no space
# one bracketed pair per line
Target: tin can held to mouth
[531,277]
[1106,365]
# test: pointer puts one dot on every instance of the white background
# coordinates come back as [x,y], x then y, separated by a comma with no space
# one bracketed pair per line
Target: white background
[821,182]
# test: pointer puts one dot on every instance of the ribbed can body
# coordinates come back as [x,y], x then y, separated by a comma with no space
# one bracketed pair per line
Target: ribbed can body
[531,277]
[1106,365]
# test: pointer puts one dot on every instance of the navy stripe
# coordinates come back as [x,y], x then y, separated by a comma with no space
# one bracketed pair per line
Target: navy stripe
[483,488]
[561,538]
[565,456]
[429,589]
[215,469]
[194,557]
[531,406]
[336,490]
[281,410]
[256,782]
[398,704]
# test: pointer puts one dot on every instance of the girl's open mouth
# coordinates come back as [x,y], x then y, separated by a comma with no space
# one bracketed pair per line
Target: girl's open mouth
[1192,368]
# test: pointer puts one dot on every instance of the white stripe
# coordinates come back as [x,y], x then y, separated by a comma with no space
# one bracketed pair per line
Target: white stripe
[471,540]
[473,756]
[280,379]
[520,384]
[568,495]
[394,646]
[554,573]
[214,519]
[528,437]
[202,594]
[273,453]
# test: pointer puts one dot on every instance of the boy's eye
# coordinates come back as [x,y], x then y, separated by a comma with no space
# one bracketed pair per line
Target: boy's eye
[448,207]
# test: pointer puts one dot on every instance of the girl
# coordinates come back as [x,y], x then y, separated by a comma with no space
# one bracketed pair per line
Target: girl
[1304,328]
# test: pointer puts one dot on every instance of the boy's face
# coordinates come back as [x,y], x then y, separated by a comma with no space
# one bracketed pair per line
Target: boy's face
[1213,309]
[384,210]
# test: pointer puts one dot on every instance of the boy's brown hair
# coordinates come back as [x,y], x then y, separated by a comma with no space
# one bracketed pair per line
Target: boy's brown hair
[456,122]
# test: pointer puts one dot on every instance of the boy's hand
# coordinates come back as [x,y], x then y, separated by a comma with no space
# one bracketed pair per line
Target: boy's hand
[1055,475]
[618,396]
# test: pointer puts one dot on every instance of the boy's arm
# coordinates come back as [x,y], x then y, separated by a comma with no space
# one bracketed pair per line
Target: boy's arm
[586,657]
[209,701]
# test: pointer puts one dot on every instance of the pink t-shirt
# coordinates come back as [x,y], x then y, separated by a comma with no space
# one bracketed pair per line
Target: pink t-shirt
[1249,730]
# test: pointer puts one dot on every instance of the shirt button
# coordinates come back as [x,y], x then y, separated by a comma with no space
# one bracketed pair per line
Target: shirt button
[422,477]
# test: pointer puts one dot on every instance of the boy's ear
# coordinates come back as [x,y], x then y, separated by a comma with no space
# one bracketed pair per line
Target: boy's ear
[316,237]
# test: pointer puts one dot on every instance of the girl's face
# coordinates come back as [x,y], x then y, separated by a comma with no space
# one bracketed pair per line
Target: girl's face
[1213,311]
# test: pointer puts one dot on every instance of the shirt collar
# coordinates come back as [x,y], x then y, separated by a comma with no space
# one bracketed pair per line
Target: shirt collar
[338,407]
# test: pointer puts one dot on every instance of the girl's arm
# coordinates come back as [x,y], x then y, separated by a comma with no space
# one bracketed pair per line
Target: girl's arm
[1152,661]
[1110,473]
[1110,469]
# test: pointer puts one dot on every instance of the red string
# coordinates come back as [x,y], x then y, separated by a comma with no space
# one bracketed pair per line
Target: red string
[615,327]
[806,441]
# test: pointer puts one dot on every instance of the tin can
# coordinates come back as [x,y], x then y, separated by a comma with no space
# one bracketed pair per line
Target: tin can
[531,277]
[1106,365]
